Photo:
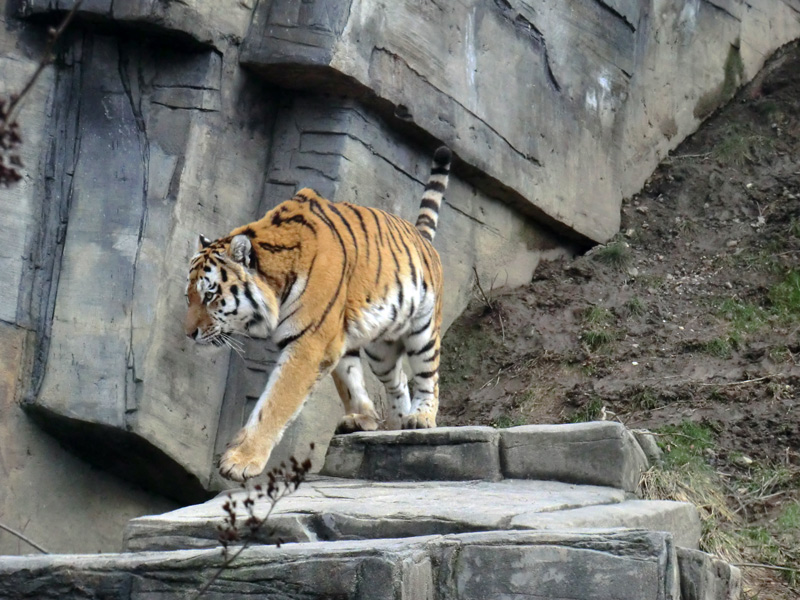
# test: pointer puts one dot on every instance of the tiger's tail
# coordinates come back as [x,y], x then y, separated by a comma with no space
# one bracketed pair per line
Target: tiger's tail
[434,193]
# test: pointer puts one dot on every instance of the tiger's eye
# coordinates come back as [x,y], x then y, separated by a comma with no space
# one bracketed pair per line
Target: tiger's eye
[208,297]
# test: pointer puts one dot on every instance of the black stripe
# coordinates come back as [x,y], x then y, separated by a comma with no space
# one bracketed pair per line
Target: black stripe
[224,274]
[354,353]
[372,357]
[424,349]
[412,268]
[249,233]
[253,258]
[426,374]
[380,247]
[429,204]
[298,197]
[425,220]
[278,247]
[432,357]
[424,327]
[249,295]
[346,224]
[287,317]
[362,225]
[278,220]
[292,338]
[443,170]
[384,373]
[317,210]
[400,296]
[396,243]
[291,279]
[435,185]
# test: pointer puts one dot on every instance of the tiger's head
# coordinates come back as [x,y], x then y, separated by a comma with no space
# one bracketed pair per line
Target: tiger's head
[226,295]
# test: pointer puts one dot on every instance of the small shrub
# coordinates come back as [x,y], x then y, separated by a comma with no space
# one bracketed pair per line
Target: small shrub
[595,339]
[785,297]
[615,254]
[719,347]
[504,422]
[597,315]
[636,306]
[590,411]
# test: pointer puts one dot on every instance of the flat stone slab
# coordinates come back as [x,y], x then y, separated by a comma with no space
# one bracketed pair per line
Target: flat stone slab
[598,453]
[625,565]
[327,508]
[440,454]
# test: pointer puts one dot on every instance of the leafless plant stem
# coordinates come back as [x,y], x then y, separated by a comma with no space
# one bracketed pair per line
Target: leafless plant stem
[47,58]
[24,538]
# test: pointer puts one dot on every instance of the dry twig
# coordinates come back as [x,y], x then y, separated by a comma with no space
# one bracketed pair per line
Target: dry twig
[10,134]
[24,538]
[282,481]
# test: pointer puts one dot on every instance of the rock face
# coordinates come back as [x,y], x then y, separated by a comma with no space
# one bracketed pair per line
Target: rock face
[437,540]
[599,453]
[163,120]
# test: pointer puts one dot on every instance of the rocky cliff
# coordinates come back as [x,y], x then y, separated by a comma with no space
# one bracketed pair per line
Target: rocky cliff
[163,120]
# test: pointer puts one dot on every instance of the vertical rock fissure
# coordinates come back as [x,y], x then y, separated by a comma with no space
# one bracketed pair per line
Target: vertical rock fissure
[126,70]
[59,170]
[612,11]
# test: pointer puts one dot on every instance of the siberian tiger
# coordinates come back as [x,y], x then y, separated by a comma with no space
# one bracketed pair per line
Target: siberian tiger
[326,280]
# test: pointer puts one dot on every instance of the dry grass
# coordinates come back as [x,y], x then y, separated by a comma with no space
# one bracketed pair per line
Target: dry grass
[732,509]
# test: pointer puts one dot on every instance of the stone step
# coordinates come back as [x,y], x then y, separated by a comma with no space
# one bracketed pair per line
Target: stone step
[625,565]
[598,453]
[326,508]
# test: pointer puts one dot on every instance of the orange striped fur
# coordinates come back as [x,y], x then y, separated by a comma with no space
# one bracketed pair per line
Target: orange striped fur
[326,281]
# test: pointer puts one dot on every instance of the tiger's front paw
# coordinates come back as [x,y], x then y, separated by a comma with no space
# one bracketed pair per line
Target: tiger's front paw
[355,422]
[244,458]
[418,421]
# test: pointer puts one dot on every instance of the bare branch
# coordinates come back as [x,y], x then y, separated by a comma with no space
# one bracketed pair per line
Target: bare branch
[24,538]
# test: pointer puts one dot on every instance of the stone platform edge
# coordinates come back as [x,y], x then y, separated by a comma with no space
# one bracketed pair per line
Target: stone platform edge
[600,453]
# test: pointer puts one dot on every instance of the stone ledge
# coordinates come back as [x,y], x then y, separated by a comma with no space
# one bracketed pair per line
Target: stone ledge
[621,564]
[444,453]
[598,453]
[336,509]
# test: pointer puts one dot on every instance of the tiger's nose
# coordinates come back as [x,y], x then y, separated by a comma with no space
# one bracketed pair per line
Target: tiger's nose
[193,334]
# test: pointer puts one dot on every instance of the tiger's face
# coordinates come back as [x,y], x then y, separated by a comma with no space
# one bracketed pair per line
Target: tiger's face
[225,296]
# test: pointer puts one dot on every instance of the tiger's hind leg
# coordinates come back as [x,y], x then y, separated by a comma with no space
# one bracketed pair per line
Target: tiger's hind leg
[422,348]
[385,360]
[360,414]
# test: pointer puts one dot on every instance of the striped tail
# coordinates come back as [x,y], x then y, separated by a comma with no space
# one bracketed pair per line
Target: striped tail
[434,193]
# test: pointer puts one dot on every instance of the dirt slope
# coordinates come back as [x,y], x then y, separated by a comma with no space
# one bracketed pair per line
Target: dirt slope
[691,314]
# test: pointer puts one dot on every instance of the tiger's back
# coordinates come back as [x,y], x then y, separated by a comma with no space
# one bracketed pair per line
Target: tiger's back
[327,280]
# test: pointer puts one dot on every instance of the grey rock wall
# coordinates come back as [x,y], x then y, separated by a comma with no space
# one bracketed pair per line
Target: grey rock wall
[162,120]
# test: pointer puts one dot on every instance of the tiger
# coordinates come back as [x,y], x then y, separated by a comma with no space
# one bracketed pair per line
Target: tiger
[326,281]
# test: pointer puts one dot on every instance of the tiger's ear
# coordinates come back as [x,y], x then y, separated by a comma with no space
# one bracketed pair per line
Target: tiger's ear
[240,249]
[204,242]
